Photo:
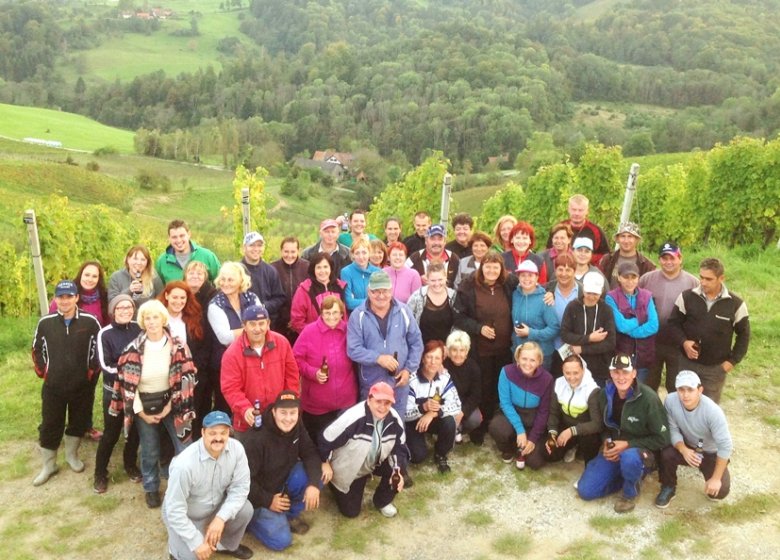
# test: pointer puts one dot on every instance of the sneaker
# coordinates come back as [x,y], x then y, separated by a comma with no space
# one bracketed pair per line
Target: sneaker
[389,510]
[570,454]
[242,552]
[133,473]
[153,500]
[441,463]
[520,461]
[93,434]
[576,484]
[100,485]
[507,457]
[458,438]
[665,497]
[298,526]
[624,505]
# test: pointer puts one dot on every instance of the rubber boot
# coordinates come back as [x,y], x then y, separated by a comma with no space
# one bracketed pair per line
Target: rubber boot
[50,468]
[72,444]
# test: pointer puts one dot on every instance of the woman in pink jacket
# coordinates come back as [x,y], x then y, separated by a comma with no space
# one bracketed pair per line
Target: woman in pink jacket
[328,381]
[322,281]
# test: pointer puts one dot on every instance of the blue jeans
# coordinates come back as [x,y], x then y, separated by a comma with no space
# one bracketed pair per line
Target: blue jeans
[602,477]
[272,528]
[642,374]
[149,436]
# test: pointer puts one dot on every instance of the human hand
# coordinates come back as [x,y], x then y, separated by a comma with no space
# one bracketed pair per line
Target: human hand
[614,453]
[549,298]
[690,349]
[387,362]
[488,332]
[523,330]
[321,376]
[424,422]
[563,438]
[249,416]
[327,472]
[402,378]
[598,335]
[280,503]
[204,551]
[727,366]
[712,487]
[521,440]
[214,532]
[311,498]
[431,406]
[691,457]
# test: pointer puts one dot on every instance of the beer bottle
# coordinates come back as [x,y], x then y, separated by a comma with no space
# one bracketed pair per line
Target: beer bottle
[397,375]
[437,396]
[395,478]
[324,368]
[285,493]
[699,449]
[258,414]
[610,443]
[552,440]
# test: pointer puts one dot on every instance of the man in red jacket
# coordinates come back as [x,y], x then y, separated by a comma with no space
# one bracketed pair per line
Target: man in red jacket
[256,367]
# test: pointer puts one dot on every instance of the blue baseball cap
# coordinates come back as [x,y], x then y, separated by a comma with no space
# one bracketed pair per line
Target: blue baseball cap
[254,313]
[436,229]
[216,418]
[66,288]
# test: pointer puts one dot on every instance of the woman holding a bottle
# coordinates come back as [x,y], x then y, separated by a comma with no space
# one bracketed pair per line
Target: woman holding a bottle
[137,279]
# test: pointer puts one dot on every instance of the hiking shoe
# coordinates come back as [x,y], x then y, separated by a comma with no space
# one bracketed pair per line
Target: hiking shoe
[153,500]
[520,461]
[100,486]
[242,552]
[441,463]
[507,457]
[93,434]
[133,473]
[624,505]
[570,455]
[298,526]
[665,497]
[389,510]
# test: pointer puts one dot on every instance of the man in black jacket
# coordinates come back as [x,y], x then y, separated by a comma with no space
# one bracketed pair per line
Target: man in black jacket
[265,279]
[286,473]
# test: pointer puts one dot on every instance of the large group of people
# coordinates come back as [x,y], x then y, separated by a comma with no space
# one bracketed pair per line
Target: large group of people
[252,385]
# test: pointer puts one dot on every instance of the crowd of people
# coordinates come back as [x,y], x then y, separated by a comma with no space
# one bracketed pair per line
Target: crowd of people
[250,386]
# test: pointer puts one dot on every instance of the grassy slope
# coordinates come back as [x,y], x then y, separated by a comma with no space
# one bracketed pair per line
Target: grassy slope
[74,131]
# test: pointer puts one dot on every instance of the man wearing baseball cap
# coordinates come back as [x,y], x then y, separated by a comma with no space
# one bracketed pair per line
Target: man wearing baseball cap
[65,356]
[264,278]
[206,508]
[256,367]
[328,244]
[666,284]
[434,252]
[367,439]
[700,439]
[627,238]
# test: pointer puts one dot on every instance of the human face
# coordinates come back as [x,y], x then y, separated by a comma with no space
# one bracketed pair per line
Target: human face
[671,264]
[357,224]
[578,213]
[528,361]
[711,284]
[290,252]
[432,362]
[254,253]
[561,241]
[582,255]
[255,331]
[622,378]
[690,397]
[457,354]
[123,312]
[89,277]
[285,418]
[573,373]
[629,283]
[230,283]
[627,243]
[491,271]
[528,281]
[329,236]
[397,258]
[322,272]
[392,231]
[360,257]
[434,244]
[421,225]
[463,234]
[179,239]
[521,242]
[377,257]
[332,317]
[136,262]
[215,439]
[379,408]
[505,230]
[590,299]
[479,250]
[66,305]
[437,283]
[153,324]
[195,279]
[380,299]
[565,276]
[177,299]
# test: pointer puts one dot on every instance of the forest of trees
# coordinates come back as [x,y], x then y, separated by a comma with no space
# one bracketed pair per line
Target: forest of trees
[469,78]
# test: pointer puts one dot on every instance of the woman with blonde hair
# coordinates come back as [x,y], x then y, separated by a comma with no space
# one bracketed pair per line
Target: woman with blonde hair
[501,240]
[137,279]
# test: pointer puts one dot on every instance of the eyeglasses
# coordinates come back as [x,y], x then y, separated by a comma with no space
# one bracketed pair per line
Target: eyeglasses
[124,308]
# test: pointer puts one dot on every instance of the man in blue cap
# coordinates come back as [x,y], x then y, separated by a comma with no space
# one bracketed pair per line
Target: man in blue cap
[434,252]
[206,508]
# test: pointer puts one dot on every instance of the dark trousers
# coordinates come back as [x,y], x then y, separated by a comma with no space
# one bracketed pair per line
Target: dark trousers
[506,440]
[490,368]
[589,446]
[351,503]
[56,405]
[671,459]
[202,401]
[713,377]
[316,423]
[666,355]
[112,428]
[444,428]
[216,388]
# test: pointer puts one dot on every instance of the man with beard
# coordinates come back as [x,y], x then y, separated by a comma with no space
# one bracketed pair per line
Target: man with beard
[206,508]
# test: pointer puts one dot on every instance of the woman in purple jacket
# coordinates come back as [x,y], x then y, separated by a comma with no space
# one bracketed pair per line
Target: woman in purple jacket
[328,381]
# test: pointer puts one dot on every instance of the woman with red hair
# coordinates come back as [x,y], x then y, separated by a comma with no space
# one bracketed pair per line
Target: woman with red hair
[405,280]
[523,238]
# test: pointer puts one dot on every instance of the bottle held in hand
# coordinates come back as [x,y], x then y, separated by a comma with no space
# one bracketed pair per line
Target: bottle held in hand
[610,443]
[699,449]
[552,440]
[437,396]
[325,369]
[395,478]
[258,414]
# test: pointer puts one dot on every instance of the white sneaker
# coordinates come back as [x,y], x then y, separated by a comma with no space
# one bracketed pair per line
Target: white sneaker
[389,510]
[570,454]
[458,438]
